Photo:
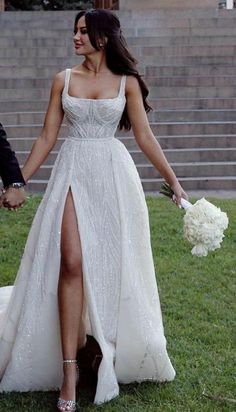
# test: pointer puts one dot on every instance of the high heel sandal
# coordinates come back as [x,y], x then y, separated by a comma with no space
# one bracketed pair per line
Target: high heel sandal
[62,404]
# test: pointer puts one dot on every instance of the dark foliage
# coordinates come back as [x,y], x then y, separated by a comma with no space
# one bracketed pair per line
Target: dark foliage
[14,5]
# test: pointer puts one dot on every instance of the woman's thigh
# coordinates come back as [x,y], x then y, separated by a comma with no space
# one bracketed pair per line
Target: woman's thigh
[71,253]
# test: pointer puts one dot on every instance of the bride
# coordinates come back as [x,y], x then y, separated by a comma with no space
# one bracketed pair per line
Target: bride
[87,268]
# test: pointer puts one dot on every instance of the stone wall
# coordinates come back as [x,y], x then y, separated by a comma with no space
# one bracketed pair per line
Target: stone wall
[167,4]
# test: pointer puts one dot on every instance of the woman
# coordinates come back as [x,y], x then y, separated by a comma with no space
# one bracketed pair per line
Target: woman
[88,266]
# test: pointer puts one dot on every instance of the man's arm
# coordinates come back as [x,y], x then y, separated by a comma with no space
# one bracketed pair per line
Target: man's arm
[9,167]
[11,175]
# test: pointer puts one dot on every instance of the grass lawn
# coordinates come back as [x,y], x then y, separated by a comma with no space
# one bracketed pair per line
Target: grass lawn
[198,304]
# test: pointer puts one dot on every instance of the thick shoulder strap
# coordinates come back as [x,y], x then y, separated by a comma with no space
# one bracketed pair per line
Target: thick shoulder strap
[122,85]
[67,80]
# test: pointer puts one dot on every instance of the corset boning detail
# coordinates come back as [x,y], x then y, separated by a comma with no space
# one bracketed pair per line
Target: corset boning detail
[88,132]
[89,119]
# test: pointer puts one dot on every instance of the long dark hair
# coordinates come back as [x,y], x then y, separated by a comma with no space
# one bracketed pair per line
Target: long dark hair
[102,23]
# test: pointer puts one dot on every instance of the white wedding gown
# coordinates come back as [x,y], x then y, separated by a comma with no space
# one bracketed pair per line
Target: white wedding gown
[122,303]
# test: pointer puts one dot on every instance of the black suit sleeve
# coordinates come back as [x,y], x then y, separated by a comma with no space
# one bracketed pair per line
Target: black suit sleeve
[9,167]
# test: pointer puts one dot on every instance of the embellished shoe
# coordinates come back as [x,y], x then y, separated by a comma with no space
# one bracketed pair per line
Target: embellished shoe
[62,404]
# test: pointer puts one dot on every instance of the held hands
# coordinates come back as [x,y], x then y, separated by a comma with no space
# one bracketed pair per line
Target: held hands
[178,193]
[12,198]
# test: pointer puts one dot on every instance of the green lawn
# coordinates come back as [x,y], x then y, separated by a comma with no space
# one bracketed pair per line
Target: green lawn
[198,303]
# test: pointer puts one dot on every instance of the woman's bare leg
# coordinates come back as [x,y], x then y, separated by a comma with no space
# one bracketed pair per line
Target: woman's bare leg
[70,295]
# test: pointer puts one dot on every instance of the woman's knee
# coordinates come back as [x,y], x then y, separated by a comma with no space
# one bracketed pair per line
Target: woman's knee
[71,266]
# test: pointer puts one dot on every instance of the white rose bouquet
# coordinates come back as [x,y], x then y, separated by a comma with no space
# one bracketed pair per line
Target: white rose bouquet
[204,223]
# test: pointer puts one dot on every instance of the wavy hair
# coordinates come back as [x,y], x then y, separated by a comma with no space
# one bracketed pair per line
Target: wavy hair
[102,23]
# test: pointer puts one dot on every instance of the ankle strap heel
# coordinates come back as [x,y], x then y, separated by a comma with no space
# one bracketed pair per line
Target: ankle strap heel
[68,405]
[70,361]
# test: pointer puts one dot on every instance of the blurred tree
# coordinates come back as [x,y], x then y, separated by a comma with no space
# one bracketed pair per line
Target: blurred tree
[22,4]
[48,4]
[66,4]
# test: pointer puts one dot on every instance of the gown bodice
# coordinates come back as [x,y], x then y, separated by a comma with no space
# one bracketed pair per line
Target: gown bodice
[92,118]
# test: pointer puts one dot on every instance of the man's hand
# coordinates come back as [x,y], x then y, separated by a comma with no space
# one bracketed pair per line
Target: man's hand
[12,198]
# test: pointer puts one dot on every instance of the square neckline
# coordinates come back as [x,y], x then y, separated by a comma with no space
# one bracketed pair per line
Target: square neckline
[66,89]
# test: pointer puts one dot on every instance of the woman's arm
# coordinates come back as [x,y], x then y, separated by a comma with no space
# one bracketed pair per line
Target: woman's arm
[145,137]
[47,139]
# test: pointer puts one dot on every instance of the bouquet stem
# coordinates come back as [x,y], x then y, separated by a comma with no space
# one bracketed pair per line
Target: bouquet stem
[185,204]
[167,191]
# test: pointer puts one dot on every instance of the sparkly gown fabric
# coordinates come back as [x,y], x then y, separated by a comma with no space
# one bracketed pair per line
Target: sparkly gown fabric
[122,309]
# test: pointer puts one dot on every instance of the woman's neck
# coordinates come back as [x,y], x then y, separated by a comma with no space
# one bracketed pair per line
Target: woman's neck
[95,66]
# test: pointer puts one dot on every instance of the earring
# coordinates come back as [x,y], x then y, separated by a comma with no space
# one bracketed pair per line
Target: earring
[101,45]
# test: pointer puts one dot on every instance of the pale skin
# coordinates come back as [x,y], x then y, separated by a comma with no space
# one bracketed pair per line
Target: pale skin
[94,82]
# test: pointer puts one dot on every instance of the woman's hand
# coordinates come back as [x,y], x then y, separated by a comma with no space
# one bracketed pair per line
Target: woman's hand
[13,198]
[178,193]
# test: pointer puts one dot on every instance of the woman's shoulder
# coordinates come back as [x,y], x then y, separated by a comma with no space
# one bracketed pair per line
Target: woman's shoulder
[60,76]
[132,83]
[132,80]
[59,80]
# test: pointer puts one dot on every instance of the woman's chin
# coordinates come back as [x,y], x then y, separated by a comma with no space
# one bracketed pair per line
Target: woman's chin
[79,52]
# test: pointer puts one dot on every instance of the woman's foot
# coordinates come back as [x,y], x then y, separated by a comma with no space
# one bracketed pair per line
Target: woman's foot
[67,399]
